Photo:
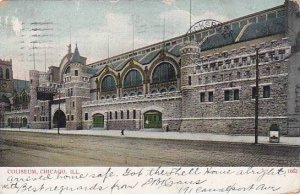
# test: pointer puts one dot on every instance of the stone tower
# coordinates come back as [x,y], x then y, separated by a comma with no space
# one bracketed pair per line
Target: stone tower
[6,77]
[77,90]
[189,54]
[34,83]
[293,33]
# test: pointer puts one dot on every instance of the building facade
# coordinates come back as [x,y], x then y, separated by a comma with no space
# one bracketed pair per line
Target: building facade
[200,82]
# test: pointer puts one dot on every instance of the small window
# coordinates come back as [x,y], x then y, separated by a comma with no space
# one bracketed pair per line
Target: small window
[127,114]
[134,114]
[266,92]
[238,75]
[202,97]
[116,115]
[86,116]
[226,95]
[73,104]
[210,96]
[110,115]
[68,117]
[236,94]
[34,118]
[122,114]
[76,72]
[190,80]
[253,92]
[72,117]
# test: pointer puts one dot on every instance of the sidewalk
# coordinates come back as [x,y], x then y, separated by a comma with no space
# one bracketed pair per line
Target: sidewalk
[169,135]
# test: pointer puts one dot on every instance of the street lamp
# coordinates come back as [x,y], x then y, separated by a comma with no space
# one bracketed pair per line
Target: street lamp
[256,95]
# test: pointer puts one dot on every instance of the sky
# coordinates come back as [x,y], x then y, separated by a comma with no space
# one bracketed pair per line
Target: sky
[101,28]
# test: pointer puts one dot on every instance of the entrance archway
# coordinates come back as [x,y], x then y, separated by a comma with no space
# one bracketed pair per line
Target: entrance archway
[152,119]
[98,120]
[59,119]
[24,122]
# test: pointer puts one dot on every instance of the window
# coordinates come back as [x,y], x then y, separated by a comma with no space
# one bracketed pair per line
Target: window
[164,72]
[34,118]
[236,94]
[190,80]
[202,97]
[253,92]
[73,104]
[132,79]
[76,72]
[1,73]
[266,92]
[108,83]
[238,75]
[68,117]
[116,115]
[127,114]
[110,115]
[122,114]
[134,114]
[72,117]
[71,91]
[210,96]
[7,74]
[227,95]
[86,116]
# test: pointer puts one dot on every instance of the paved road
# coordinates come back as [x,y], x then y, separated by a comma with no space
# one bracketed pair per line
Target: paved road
[38,149]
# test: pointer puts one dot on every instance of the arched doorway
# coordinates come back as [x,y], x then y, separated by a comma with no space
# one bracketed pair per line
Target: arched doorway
[98,120]
[24,122]
[59,119]
[152,119]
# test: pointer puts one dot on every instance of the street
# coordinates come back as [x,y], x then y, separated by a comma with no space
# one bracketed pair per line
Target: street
[39,149]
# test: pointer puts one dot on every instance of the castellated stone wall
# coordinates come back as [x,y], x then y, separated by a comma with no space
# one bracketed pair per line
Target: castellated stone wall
[169,106]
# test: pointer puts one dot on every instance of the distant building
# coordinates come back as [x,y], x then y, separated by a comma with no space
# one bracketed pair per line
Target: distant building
[14,94]
[204,82]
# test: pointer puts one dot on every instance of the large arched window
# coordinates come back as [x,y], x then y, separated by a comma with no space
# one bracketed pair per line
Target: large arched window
[108,83]
[164,72]
[132,79]
[68,70]
[1,73]
[7,74]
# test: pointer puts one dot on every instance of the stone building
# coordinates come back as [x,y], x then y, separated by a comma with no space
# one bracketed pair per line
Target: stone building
[14,95]
[200,82]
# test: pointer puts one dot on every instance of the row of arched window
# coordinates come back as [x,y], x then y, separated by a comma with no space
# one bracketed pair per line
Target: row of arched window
[7,76]
[165,72]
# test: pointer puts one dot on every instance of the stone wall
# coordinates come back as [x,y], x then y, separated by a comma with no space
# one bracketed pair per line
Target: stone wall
[169,106]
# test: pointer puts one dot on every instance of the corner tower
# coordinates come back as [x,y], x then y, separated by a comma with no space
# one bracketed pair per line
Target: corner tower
[189,54]
[77,88]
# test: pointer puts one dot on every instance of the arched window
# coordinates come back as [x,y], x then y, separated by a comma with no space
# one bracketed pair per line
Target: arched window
[172,89]
[163,73]
[7,74]
[132,79]
[1,73]
[163,90]
[68,70]
[108,83]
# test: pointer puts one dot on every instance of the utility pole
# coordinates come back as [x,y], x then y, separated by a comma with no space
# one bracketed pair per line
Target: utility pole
[58,121]
[256,95]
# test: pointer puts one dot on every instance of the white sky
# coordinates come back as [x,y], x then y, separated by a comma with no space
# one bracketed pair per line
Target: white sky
[92,22]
